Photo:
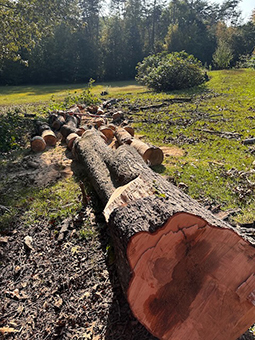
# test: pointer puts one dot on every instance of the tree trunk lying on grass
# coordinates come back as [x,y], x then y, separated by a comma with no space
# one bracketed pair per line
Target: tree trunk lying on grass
[151,154]
[186,274]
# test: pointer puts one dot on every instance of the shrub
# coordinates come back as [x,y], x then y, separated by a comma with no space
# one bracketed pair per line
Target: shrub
[174,71]
[14,131]
[246,61]
[222,55]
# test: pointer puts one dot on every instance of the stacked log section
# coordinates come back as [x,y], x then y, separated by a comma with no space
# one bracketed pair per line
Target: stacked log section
[70,126]
[99,122]
[70,140]
[93,109]
[130,130]
[49,137]
[38,144]
[107,131]
[123,136]
[58,122]
[80,131]
[100,111]
[116,116]
[112,126]
[151,154]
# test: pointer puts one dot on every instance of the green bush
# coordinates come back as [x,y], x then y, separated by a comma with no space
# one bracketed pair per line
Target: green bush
[174,71]
[14,130]
[246,61]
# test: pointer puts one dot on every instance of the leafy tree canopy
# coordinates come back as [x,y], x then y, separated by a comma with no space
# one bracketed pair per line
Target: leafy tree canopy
[23,22]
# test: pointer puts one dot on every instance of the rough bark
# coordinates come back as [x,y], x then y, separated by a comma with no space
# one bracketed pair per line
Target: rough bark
[71,126]
[123,136]
[56,121]
[186,274]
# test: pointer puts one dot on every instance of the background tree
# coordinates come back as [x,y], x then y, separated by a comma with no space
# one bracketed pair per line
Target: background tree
[75,40]
[23,22]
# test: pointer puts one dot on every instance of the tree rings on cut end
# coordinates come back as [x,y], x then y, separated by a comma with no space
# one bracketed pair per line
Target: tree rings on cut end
[152,155]
[38,144]
[49,137]
[70,140]
[130,130]
[109,134]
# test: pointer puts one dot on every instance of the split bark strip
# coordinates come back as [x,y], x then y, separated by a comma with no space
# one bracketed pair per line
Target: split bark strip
[185,273]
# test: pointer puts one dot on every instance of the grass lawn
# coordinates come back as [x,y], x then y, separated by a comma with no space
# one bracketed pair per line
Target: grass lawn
[38,94]
[214,166]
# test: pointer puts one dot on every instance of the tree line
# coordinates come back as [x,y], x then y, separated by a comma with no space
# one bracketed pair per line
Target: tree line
[67,41]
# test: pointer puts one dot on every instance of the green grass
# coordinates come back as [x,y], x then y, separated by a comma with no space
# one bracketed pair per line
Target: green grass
[212,164]
[225,104]
[53,203]
[18,95]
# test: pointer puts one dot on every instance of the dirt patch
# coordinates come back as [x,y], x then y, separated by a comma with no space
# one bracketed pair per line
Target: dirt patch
[40,169]
[172,151]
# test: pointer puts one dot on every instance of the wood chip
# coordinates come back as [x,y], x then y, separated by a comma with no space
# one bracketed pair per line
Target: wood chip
[28,242]
[8,330]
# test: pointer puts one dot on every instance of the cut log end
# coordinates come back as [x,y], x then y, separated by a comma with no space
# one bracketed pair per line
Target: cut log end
[108,132]
[130,130]
[70,140]
[49,137]
[184,273]
[38,144]
[152,155]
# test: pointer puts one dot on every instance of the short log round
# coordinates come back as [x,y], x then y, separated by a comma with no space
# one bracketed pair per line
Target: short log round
[38,144]
[49,137]
[130,130]
[109,134]
[152,155]
[70,140]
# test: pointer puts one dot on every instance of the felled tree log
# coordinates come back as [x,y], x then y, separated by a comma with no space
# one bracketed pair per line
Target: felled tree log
[42,129]
[185,273]
[37,144]
[71,126]
[56,122]
[152,155]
